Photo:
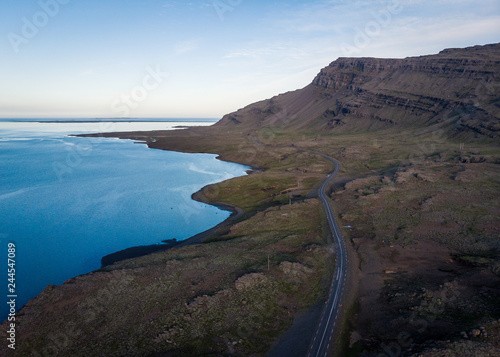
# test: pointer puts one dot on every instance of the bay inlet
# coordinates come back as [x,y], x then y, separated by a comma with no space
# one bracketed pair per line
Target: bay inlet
[65,202]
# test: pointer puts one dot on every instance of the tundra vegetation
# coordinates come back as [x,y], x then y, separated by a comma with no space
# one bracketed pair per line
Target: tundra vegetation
[418,195]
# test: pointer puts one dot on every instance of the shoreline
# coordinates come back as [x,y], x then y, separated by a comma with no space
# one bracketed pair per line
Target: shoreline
[143,250]
[301,325]
[139,251]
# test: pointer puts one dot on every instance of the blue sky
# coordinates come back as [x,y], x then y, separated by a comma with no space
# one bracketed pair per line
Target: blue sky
[206,58]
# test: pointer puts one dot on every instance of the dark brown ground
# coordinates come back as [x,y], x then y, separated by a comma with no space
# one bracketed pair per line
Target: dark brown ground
[423,234]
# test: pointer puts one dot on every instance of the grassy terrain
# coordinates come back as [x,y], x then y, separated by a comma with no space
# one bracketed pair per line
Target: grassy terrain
[230,297]
[424,220]
[423,211]
[423,215]
[235,294]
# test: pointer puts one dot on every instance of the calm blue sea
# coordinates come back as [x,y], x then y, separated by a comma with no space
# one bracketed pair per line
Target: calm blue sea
[65,202]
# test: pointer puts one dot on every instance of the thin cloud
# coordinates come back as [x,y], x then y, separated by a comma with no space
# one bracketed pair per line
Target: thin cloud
[185,47]
[257,53]
[169,4]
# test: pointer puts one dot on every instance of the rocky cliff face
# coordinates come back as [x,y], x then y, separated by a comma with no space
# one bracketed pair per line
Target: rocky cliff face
[457,90]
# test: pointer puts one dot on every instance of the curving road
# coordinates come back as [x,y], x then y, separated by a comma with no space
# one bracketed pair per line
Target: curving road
[321,342]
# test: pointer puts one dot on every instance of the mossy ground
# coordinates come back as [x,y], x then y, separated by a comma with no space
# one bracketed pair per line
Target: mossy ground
[422,210]
[428,207]
[234,295]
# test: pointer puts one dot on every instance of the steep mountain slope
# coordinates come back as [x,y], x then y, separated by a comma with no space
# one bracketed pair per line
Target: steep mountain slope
[458,89]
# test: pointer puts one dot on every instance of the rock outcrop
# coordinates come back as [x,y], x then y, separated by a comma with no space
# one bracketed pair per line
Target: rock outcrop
[457,91]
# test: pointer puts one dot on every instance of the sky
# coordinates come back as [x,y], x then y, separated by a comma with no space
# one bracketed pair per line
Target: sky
[206,58]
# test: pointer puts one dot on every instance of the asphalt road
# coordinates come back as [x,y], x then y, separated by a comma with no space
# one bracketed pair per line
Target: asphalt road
[322,338]
[321,342]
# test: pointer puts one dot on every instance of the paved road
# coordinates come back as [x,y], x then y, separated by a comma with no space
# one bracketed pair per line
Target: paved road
[321,342]
[323,336]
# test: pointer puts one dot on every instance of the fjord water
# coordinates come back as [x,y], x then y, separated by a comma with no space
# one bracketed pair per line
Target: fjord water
[65,202]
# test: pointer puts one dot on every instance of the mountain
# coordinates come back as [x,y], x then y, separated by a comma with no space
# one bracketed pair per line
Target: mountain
[419,214]
[457,89]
